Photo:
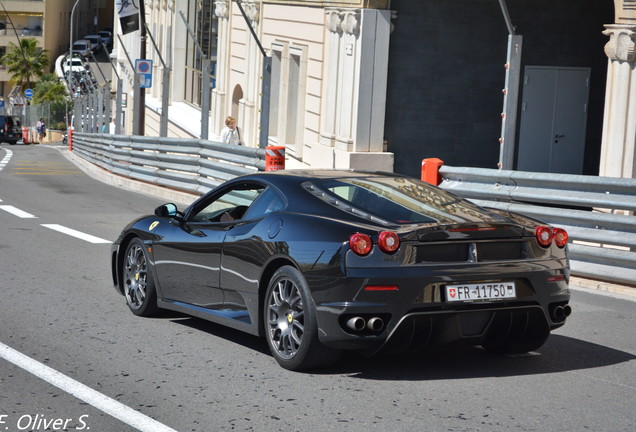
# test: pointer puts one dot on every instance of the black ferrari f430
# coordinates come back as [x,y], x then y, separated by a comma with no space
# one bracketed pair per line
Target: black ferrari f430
[320,261]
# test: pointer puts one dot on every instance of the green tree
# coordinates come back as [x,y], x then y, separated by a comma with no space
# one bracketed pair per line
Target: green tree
[49,89]
[50,100]
[25,62]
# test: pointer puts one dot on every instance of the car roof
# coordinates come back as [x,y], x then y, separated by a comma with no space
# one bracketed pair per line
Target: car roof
[302,175]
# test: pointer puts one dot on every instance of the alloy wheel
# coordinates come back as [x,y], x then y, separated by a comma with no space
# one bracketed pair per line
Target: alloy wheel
[286,318]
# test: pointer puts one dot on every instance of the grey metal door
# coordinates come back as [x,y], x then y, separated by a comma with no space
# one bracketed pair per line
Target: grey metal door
[553,119]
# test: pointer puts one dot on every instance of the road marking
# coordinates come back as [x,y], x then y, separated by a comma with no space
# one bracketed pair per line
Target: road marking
[92,397]
[44,168]
[17,212]
[74,233]
[5,160]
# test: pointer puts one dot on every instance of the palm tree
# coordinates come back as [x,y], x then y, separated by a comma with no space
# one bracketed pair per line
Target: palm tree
[25,62]
[49,89]
[51,95]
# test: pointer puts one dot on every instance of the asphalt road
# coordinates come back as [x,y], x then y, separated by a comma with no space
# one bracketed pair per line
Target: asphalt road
[107,370]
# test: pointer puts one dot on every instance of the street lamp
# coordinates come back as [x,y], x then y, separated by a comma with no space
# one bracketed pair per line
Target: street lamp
[70,50]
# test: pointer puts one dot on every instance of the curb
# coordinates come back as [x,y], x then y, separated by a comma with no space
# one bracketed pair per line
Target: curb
[606,287]
[109,178]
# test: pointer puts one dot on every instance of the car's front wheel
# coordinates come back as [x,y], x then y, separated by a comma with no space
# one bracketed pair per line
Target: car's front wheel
[290,323]
[138,284]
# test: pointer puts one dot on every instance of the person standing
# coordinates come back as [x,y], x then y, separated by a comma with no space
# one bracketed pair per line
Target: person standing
[41,129]
[230,133]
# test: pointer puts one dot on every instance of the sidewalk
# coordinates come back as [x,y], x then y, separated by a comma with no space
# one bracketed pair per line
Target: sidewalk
[607,287]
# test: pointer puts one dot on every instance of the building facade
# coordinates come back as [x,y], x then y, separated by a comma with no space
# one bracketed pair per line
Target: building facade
[48,22]
[383,84]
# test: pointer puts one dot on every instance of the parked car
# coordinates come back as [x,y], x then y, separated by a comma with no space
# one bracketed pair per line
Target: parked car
[10,129]
[74,64]
[107,37]
[322,261]
[82,47]
[96,42]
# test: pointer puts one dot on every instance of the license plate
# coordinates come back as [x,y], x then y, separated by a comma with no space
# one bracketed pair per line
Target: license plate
[483,291]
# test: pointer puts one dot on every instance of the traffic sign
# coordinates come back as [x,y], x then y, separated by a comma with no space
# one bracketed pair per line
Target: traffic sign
[144,69]
[28,93]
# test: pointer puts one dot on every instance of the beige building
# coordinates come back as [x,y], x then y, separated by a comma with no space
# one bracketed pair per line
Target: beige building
[47,21]
[330,73]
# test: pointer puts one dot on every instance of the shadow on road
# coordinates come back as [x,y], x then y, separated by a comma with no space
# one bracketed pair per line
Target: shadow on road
[559,354]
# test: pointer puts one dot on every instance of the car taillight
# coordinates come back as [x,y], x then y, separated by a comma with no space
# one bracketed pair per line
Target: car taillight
[360,244]
[544,235]
[560,237]
[388,241]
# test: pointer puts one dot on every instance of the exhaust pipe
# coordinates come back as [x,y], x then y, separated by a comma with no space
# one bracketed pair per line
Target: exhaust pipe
[558,314]
[567,310]
[356,323]
[375,324]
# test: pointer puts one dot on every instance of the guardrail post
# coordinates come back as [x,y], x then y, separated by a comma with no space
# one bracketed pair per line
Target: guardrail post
[430,170]
[274,158]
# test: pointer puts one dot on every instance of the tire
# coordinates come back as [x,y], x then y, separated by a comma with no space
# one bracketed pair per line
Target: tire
[137,281]
[290,323]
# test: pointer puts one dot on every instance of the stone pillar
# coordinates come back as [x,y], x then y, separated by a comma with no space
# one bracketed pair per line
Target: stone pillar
[619,125]
[248,119]
[352,120]
[219,93]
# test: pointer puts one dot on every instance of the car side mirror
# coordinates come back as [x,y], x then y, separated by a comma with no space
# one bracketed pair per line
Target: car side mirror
[167,210]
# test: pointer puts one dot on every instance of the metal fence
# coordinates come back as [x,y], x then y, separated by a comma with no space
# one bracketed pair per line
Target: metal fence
[190,165]
[597,212]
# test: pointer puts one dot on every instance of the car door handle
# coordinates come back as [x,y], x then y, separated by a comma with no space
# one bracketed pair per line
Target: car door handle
[557,136]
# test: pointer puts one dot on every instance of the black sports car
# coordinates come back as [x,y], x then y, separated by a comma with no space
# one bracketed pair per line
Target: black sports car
[322,261]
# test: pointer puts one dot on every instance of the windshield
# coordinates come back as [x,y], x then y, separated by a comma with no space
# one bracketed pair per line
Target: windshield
[398,200]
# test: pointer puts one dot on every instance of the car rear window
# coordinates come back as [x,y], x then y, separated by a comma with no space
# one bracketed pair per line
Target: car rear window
[398,200]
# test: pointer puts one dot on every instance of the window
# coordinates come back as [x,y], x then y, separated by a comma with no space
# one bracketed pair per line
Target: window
[204,25]
[287,98]
[397,200]
[230,205]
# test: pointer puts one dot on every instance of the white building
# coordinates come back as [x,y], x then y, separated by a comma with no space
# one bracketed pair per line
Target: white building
[330,73]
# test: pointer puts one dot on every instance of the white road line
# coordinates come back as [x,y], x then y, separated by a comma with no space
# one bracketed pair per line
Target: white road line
[5,160]
[17,212]
[92,397]
[78,234]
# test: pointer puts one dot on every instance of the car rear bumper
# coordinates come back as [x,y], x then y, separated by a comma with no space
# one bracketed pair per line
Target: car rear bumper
[417,315]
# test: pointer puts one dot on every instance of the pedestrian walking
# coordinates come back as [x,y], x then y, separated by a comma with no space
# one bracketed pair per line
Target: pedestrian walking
[41,129]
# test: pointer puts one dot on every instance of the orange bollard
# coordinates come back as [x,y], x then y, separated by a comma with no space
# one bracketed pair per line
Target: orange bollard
[430,170]
[25,135]
[70,139]
[274,158]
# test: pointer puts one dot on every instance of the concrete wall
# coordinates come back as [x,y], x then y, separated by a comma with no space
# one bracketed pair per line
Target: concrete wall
[446,73]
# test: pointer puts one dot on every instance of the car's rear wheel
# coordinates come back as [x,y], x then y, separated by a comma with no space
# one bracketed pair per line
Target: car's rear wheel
[138,284]
[290,323]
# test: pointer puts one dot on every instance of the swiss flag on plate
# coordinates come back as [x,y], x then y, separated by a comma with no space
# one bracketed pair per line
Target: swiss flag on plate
[452,292]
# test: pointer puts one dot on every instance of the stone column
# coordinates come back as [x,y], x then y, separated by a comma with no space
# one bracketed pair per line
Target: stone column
[248,120]
[619,125]
[328,117]
[218,103]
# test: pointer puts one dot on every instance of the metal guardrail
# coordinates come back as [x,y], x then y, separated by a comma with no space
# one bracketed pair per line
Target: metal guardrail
[597,212]
[190,165]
